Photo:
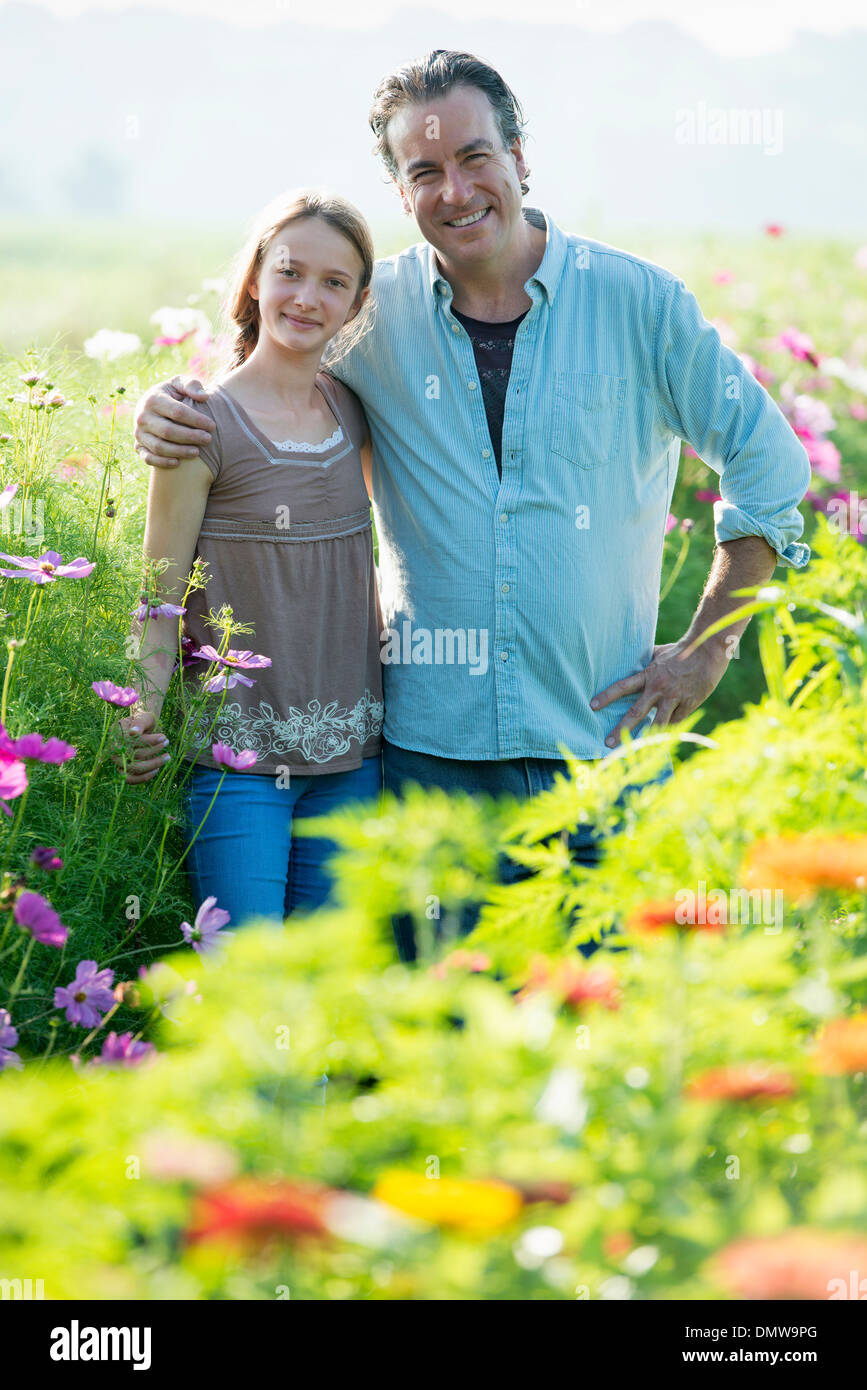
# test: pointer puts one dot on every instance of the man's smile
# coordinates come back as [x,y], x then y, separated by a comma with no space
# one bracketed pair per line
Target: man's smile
[469,219]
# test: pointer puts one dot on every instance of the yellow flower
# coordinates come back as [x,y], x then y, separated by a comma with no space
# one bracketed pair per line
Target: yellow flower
[465,1204]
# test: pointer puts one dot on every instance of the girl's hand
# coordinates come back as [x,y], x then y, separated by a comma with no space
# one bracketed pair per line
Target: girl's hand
[143,747]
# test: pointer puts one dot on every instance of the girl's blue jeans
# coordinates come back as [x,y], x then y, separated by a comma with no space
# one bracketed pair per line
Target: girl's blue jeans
[246,855]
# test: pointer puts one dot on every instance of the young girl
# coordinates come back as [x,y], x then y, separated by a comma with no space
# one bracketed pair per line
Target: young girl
[277,505]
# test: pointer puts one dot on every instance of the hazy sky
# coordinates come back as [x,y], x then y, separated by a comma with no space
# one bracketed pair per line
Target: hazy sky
[737,27]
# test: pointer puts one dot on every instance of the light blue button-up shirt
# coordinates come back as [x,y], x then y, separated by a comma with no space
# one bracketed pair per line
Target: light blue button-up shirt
[510,602]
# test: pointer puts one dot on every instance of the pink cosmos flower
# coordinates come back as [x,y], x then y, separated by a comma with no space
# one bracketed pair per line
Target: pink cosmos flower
[43,750]
[88,996]
[7,494]
[209,920]
[36,915]
[157,610]
[8,1040]
[13,778]
[800,345]
[115,694]
[122,1050]
[707,495]
[239,762]
[809,416]
[689,452]
[773,229]
[671,522]
[47,568]
[858,410]
[233,663]
[824,458]
[722,277]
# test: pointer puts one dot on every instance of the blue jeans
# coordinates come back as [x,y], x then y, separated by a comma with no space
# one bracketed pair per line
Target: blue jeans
[245,854]
[522,778]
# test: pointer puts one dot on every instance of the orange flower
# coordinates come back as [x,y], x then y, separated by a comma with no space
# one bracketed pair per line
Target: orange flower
[802,864]
[656,916]
[746,1081]
[841,1047]
[474,961]
[253,1211]
[573,984]
[617,1244]
[800,1263]
[464,1204]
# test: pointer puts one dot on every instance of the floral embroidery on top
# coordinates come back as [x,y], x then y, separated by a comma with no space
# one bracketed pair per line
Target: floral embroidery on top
[319,732]
[291,447]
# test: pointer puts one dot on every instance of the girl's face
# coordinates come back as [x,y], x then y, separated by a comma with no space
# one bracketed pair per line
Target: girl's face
[307,285]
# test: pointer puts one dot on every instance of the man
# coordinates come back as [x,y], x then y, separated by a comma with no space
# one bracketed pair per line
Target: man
[527,392]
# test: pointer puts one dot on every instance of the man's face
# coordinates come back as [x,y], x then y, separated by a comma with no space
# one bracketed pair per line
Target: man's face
[452,165]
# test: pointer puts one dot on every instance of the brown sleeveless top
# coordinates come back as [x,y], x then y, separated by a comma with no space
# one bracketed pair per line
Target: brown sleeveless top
[287,537]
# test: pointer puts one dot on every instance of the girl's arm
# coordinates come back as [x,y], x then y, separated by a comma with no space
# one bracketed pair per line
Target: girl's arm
[176,505]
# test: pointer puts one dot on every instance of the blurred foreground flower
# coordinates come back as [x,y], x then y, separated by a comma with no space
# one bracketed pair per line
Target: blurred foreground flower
[802,864]
[464,1204]
[124,1050]
[800,1263]
[841,1047]
[255,1211]
[107,344]
[745,1081]
[658,916]
[572,984]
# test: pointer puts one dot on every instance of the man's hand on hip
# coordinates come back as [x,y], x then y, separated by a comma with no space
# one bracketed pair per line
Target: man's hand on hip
[675,682]
[166,429]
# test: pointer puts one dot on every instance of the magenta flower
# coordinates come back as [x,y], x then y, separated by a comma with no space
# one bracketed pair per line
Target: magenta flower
[157,610]
[239,762]
[8,1040]
[705,495]
[209,920]
[773,229]
[7,494]
[800,345]
[45,857]
[671,522]
[722,277]
[42,750]
[233,663]
[34,914]
[122,695]
[88,996]
[858,410]
[48,568]
[124,1051]
[13,778]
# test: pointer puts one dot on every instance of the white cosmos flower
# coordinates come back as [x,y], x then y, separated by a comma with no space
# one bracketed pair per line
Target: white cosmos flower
[109,344]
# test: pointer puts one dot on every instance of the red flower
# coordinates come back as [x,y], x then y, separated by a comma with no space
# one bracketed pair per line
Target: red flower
[773,229]
[744,1081]
[656,916]
[254,1211]
[573,984]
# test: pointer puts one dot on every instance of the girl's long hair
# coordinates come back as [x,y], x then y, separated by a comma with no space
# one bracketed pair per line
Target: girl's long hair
[242,309]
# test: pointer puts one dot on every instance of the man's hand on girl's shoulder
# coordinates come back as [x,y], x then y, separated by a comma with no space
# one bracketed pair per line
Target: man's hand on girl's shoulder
[167,430]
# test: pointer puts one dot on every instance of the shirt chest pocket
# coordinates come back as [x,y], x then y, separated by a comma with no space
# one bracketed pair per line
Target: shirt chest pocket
[587,417]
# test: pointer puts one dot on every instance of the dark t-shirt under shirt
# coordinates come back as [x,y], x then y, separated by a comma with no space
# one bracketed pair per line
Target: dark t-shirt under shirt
[493,345]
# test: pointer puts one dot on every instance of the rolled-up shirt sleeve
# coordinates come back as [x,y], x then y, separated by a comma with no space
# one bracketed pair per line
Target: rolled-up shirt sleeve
[710,399]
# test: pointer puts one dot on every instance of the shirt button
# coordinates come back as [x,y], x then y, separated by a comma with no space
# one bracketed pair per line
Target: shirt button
[472,385]
[456,328]
[486,453]
[504,516]
[504,656]
[504,588]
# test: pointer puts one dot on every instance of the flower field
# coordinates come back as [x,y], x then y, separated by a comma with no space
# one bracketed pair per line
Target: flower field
[194,1113]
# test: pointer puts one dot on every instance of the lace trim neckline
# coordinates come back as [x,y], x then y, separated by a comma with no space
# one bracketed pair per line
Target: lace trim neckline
[293,447]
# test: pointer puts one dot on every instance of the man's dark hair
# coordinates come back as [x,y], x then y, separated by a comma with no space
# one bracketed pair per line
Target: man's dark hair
[434,75]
